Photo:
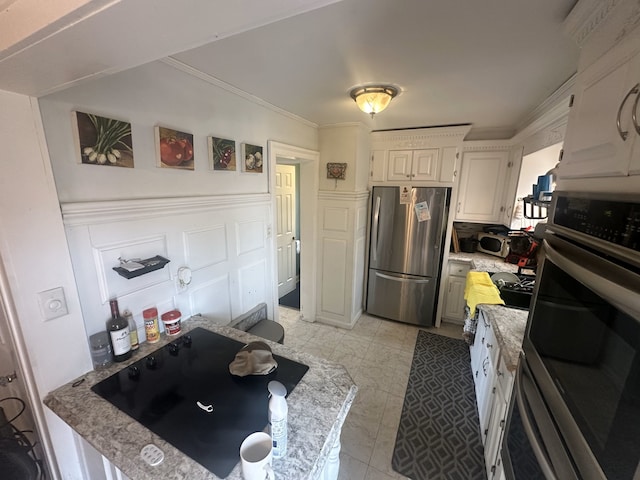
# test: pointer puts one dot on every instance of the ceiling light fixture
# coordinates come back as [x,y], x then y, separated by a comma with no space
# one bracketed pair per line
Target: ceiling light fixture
[373,99]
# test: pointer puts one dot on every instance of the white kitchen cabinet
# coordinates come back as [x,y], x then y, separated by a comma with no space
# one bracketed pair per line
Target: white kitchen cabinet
[483,184]
[413,165]
[454,302]
[493,385]
[483,371]
[603,130]
[420,157]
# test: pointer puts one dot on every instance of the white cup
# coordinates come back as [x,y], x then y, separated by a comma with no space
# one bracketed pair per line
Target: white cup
[256,453]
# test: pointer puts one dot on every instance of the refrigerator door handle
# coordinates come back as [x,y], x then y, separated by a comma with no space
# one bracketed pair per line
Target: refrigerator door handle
[376,229]
[402,279]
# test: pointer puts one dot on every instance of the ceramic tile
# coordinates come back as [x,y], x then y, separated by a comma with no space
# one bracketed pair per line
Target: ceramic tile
[375,474]
[377,354]
[392,411]
[351,468]
[383,450]
[358,439]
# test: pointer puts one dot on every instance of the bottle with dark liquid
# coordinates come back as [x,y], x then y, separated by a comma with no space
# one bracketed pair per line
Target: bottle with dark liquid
[118,329]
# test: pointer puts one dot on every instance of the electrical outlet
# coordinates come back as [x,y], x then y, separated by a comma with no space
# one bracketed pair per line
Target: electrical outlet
[53,303]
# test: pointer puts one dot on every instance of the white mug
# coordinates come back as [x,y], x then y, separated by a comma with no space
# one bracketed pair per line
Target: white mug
[256,453]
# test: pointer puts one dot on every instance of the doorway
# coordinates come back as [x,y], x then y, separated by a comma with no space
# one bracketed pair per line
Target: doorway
[21,453]
[306,163]
[288,234]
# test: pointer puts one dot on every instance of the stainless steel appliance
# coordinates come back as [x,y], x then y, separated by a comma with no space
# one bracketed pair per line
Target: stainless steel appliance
[575,411]
[169,390]
[493,244]
[405,252]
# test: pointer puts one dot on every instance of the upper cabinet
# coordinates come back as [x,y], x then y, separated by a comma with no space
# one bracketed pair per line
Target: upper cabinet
[415,165]
[602,138]
[485,183]
[604,121]
[420,157]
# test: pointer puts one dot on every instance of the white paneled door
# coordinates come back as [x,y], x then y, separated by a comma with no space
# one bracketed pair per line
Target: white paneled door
[286,228]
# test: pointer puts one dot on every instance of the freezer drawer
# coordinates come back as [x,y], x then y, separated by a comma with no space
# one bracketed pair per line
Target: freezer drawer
[405,298]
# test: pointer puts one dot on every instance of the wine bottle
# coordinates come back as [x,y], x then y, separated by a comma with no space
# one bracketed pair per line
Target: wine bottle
[133,329]
[118,329]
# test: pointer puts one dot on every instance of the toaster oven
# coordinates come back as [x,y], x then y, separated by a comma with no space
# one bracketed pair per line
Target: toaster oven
[493,244]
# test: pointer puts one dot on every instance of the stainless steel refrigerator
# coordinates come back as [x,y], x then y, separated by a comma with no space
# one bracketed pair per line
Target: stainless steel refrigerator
[408,228]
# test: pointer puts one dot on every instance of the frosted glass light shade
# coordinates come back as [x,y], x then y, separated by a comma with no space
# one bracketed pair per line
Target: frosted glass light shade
[373,99]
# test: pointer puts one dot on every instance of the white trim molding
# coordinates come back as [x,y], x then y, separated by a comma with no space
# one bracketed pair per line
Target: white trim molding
[91,213]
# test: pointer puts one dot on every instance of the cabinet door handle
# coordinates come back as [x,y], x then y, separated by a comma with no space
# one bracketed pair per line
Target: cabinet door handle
[633,91]
[458,211]
[634,114]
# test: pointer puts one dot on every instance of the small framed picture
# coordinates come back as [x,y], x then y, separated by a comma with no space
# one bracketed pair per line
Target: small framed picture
[222,154]
[103,141]
[174,149]
[252,160]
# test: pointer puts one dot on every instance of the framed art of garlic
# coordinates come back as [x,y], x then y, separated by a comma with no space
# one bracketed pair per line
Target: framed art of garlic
[102,140]
[252,159]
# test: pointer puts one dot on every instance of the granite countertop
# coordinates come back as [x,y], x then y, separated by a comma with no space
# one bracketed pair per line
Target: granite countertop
[318,407]
[509,326]
[509,323]
[484,262]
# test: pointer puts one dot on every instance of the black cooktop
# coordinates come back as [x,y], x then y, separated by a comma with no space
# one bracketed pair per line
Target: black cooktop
[162,391]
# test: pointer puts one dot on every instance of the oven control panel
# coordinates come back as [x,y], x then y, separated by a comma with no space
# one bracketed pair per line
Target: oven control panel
[614,221]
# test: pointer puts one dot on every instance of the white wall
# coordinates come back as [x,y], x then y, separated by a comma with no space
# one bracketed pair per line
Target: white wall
[32,238]
[35,257]
[159,94]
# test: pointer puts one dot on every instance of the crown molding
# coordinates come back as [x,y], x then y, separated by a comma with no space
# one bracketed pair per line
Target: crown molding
[91,213]
[194,72]
[585,17]
[419,137]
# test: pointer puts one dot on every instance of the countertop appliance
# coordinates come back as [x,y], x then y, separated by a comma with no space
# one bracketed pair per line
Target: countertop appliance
[576,405]
[169,390]
[405,252]
[493,244]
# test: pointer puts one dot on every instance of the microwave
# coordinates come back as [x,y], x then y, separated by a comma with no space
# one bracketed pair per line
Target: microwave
[493,244]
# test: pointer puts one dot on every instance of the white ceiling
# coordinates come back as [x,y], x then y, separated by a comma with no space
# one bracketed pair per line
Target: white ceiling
[484,62]
[488,63]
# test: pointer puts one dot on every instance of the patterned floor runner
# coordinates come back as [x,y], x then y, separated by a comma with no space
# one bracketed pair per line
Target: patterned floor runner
[439,433]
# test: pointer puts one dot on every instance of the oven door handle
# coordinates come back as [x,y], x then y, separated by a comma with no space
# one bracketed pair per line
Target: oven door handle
[614,292]
[557,456]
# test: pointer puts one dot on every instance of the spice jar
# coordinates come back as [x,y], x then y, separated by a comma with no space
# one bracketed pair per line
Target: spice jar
[100,350]
[171,322]
[151,327]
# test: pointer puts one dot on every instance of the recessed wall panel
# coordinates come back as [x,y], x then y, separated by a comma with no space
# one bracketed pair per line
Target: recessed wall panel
[250,236]
[336,219]
[206,247]
[252,284]
[212,299]
[107,256]
[334,265]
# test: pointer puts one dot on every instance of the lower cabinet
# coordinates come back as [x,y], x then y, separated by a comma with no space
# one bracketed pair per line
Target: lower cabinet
[493,385]
[454,294]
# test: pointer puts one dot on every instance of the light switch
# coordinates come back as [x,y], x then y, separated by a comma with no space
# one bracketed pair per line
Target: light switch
[53,303]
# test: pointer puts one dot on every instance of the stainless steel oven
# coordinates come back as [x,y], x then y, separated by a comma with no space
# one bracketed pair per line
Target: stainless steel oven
[575,411]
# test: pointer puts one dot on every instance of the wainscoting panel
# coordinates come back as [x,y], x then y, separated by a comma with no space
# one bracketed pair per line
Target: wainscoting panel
[223,241]
[212,299]
[334,268]
[336,219]
[252,280]
[206,247]
[250,236]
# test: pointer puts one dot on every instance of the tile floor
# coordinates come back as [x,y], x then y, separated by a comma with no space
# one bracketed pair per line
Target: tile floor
[377,353]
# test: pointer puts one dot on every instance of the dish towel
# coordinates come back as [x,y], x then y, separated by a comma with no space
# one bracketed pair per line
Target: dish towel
[480,289]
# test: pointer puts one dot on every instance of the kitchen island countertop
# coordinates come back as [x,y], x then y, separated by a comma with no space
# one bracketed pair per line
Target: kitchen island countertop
[318,407]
